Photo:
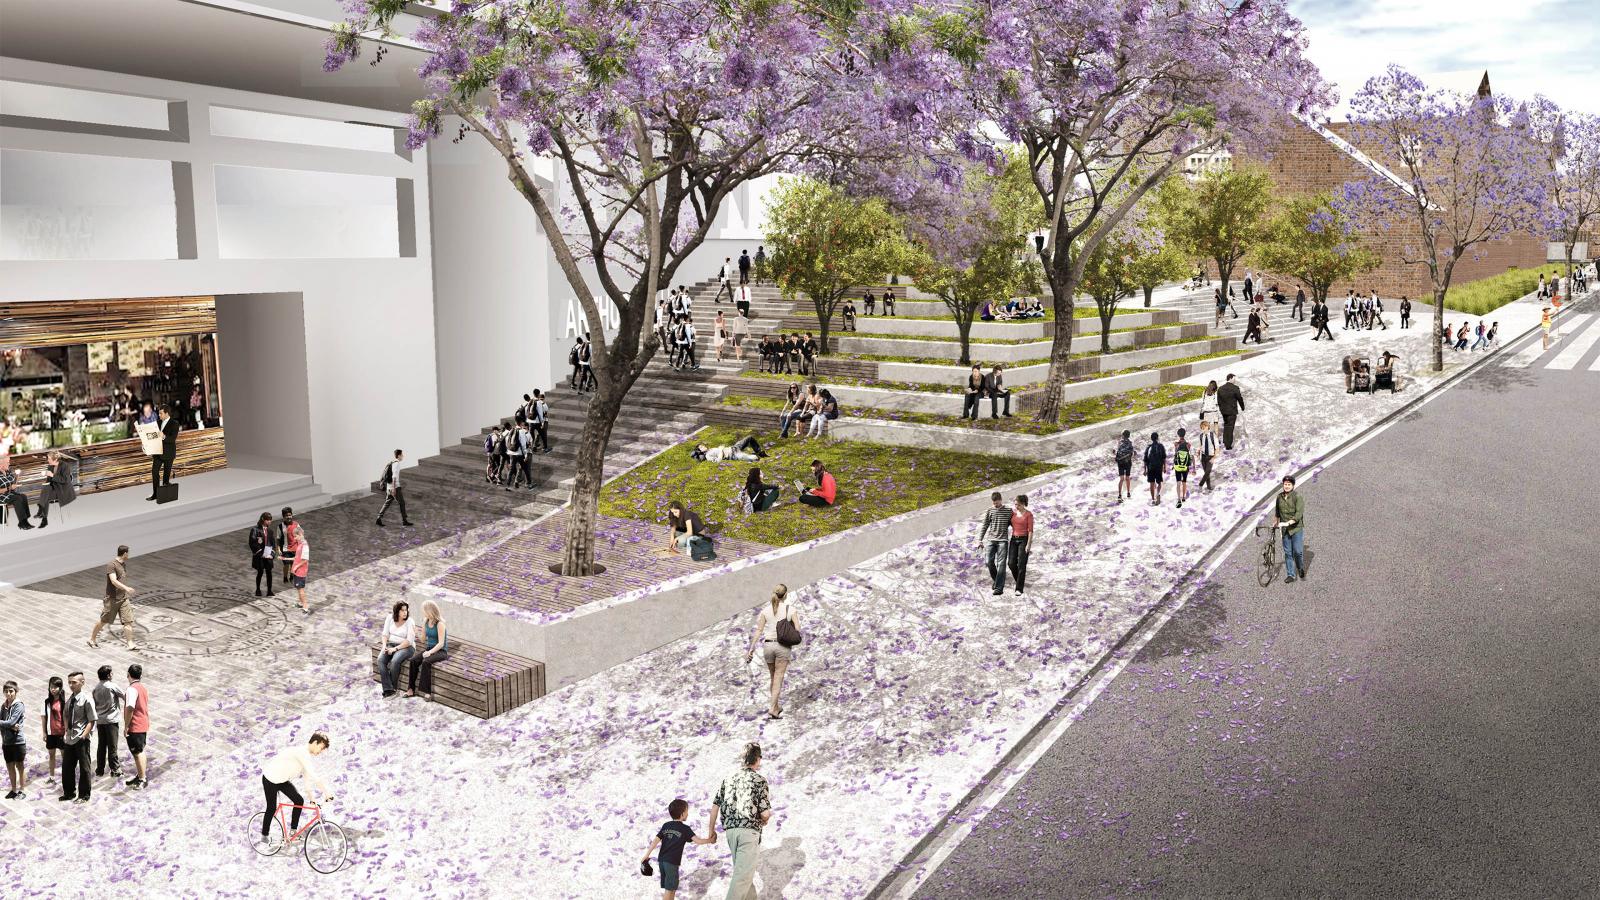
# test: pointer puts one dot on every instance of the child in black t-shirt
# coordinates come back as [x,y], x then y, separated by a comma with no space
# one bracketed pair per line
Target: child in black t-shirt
[672,838]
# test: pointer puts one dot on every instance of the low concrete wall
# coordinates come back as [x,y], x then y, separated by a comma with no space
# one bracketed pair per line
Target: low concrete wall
[1019,446]
[603,634]
[1009,353]
[922,373]
[1035,329]
[854,399]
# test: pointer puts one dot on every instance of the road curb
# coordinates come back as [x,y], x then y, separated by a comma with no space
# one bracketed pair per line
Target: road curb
[902,881]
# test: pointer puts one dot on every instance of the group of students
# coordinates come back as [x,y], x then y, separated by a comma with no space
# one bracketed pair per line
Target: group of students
[675,327]
[581,359]
[782,354]
[72,718]
[283,543]
[686,530]
[1015,308]
[1486,338]
[1158,461]
[810,409]
[508,451]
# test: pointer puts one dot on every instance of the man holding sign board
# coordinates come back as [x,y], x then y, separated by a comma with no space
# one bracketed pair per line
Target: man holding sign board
[160,441]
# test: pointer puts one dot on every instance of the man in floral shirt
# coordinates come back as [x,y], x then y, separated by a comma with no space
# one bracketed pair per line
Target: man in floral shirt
[744,806]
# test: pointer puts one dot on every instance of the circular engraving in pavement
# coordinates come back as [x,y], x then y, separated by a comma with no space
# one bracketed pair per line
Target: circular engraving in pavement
[214,622]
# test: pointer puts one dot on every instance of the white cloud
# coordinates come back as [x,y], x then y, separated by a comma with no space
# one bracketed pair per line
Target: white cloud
[1528,46]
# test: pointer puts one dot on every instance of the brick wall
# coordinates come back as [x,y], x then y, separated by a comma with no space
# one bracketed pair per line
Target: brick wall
[1304,162]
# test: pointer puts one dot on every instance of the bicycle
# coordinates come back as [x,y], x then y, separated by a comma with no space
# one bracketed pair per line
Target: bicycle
[1267,570]
[323,843]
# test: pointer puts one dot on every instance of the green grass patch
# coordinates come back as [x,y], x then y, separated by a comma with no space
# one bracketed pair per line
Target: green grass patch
[875,482]
[1488,294]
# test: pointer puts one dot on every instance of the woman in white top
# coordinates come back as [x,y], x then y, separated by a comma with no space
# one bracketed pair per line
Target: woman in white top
[397,646]
[719,336]
[775,654]
[1208,403]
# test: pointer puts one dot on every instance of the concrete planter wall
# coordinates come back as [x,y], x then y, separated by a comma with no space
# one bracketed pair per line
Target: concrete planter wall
[1034,330]
[863,400]
[921,373]
[1010,353]
[1018,446]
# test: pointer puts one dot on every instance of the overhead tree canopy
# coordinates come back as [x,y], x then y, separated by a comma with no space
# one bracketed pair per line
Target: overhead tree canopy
[1309,240]
[1219,217]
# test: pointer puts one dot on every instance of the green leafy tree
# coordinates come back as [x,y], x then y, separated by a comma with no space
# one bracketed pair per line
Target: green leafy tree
[1108,277]
[1310,241]
[1166,259]
[972,248]
[825,242]
[1220,216]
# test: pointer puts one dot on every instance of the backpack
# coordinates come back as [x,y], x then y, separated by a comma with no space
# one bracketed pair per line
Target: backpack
[701,549]
[387,476]
[1125,451]
[488,442]
[1180,460]
[572,355]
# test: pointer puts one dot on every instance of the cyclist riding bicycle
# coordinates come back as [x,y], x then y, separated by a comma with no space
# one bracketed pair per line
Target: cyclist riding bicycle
[279,774]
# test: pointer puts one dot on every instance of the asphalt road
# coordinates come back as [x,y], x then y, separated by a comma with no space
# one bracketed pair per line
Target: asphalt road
[1417,719]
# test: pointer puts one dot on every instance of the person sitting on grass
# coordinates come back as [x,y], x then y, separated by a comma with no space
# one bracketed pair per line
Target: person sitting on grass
[826,490]
[683,525]
[746,449]
[827,411]
[758,495]
[987,312]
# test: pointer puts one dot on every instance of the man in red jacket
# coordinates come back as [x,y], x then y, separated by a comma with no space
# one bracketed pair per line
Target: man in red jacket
[824,492]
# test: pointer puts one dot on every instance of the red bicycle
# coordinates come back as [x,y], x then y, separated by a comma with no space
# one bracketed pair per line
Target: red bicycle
[323,842]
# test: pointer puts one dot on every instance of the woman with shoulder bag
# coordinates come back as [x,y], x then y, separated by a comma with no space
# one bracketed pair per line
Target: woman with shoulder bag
[777,632]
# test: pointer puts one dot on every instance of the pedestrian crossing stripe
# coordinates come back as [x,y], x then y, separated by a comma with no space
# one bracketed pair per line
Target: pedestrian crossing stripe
[1530,354]
[1577,345]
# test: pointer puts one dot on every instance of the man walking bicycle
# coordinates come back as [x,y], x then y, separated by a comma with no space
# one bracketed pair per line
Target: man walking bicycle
[1289,513]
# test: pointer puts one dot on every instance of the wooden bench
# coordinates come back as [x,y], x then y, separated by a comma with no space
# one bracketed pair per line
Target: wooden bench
[479,681]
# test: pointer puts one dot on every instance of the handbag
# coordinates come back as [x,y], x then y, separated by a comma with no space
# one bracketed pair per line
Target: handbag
[789,633]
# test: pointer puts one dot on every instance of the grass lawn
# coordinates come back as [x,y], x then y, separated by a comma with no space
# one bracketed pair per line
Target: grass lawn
[875,482]
[1488,294]
[1076,414]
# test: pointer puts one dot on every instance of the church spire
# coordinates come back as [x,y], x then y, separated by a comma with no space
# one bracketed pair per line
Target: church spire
[1483,86]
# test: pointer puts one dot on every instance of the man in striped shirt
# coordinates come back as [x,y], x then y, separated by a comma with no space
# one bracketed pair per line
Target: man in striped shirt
[996,537]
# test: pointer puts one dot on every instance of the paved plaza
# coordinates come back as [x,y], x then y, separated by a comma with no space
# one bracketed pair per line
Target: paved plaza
[913,684]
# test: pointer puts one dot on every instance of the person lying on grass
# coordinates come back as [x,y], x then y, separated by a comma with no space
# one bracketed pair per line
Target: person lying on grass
[746,449]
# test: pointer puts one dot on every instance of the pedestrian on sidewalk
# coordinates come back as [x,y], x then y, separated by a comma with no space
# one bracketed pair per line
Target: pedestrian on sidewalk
[53,724]
[586,380]
[1181,460]
[1230,402]
[1544,323]
[744,267]
[1289,513]
[541,422]
[300,567]
[777,633]
[1252,328]
[1021,542]
[1319,321]
[996,539]
[390,482]
[80,724]
[109,701]
[1299,310]
[280,541]
[116,605]
[260,541]
[1124,457]
[1208,452]
[13,743]
[1494,335]
[740,329]
[725,279]
[744,805]
[1221,304]
[572,360]
[672,837]
[494,449]
[1155,467]
[1482,336]
[136,723]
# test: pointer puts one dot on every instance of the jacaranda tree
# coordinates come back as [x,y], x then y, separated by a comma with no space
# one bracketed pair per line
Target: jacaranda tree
[654,114]
[1467,170]
[1108,97]
[1571,143]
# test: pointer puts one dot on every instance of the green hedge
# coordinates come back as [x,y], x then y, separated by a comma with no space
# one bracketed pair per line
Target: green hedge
[1488,294]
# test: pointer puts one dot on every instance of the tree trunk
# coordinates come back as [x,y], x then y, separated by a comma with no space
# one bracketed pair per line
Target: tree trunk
[824,318]
[1438,329]
[964,330]
[1108,311]
[1223,274]
[584,509]
[1149,291]
[1062,290]
[1568,245]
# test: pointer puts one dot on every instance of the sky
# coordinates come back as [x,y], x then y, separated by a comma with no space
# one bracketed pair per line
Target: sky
[1549,47]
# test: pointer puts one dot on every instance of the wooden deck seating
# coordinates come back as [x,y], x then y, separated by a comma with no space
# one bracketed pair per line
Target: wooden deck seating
[480,681]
